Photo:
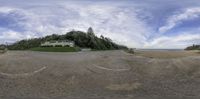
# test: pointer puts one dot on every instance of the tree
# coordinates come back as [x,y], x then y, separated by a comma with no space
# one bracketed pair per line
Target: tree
[90,31]
[193,47]
[81,39]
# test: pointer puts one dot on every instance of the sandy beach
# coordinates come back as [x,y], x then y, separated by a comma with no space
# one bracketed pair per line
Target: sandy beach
[167,53]
[100,75]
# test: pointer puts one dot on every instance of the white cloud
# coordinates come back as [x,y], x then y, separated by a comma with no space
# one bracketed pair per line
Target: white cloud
[5,9]
[180,41]
[176,19]
[122,25]
[10,36]
[119,24]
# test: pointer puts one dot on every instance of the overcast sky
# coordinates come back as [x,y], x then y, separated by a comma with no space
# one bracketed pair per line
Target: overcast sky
[135,23]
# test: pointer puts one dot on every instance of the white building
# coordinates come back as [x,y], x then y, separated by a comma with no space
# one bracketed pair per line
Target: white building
[86,49]
[58,43]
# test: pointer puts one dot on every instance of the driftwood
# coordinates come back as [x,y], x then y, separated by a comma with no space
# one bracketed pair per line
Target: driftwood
[131,50]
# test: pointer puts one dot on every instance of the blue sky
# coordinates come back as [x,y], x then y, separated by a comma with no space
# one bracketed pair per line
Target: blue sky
[135,23]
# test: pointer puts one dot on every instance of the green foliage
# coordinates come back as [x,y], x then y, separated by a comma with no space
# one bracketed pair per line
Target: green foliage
[193,47]
[26,44]
[3,48]
[81,39]
[55,49]
[90,31]
[58,46]
[131,50]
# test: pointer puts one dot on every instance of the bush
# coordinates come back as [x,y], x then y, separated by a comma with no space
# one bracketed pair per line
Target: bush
[55,49]
[193,47]
[131,50]
[58,46]
[3,49]
[47,46]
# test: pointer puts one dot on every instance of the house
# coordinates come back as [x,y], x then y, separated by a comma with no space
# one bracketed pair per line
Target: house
[58,43]
[86,49]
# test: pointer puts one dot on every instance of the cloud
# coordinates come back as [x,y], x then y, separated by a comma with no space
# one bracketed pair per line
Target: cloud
[5,9]
[120,24]
[127,23]
[9,36]
[178,41]
[178,18]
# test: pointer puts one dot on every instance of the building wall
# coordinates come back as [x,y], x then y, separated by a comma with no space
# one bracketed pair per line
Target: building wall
[70,44]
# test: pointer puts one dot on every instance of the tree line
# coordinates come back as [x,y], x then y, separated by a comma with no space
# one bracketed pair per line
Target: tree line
[193,47]
[81,39]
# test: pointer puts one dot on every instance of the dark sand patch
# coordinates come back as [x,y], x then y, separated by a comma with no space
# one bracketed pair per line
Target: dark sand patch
[167,54]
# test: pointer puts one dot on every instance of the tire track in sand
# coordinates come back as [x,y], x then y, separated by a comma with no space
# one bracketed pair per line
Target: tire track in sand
[110,69]
[23,74]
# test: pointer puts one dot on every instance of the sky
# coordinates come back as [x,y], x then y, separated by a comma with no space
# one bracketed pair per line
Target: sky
[164,24]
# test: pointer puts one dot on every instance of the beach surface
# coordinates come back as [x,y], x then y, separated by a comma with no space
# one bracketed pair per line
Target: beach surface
[100,75]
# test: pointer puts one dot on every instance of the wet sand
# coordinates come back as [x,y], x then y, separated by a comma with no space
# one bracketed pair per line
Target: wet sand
[167,54]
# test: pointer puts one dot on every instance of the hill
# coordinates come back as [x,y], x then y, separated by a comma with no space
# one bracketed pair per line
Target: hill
[81,39]
[193,47]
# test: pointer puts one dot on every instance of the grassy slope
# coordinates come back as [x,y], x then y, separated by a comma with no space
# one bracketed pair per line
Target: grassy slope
[55,49]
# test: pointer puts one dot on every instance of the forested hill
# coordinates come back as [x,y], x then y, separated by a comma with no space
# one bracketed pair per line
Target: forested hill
[193,47]
[81,39]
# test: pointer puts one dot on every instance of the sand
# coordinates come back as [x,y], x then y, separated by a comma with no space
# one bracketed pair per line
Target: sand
[167,54]
[99,75]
